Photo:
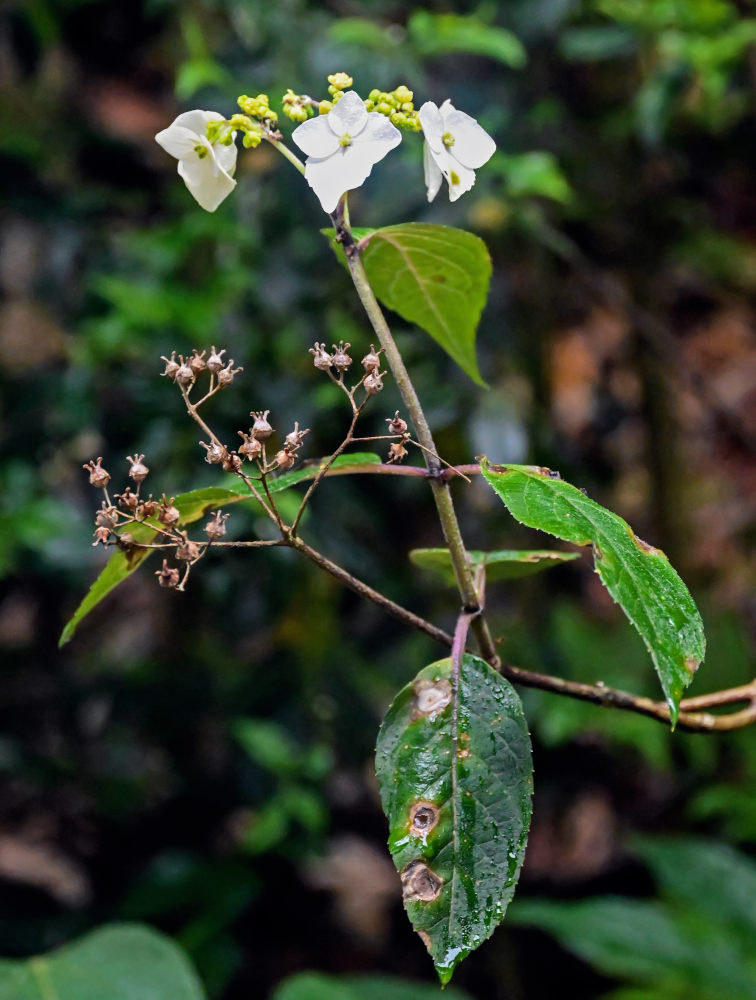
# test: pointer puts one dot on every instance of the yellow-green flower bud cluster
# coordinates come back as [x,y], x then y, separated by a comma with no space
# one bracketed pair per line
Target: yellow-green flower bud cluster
[337,82]
[223,131]
[258,107]
[397,106]
[297,106]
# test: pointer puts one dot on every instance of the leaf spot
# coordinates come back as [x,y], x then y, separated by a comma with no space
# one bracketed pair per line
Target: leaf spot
[423,818]
[431,697]
[645,547]
[420,883]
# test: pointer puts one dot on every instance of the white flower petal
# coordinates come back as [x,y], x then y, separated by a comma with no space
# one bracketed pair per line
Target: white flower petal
[315,137]
[380,129]
[225,157]
[326,180]
[197,120]
[433,175]
[349,115]
[207,182]
[459,177]
[473,146]
[432,123]
[178,141]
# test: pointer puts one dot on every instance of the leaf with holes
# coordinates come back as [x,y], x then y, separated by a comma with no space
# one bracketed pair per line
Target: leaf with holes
[504,564]
[638,576]
[192,506]
[119,961]
[434,276]
[455,772]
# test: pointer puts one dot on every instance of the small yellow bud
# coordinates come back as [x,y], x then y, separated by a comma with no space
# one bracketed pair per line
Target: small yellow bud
[324,107]
[340,81]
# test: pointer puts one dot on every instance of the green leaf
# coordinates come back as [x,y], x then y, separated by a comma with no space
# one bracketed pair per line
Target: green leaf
[434,276]
[638,576]
[504,564]
[192,506]
[454,767]
[316,986]
[436,34]
[117,962]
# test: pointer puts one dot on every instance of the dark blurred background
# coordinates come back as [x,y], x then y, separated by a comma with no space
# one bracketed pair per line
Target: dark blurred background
[203,761]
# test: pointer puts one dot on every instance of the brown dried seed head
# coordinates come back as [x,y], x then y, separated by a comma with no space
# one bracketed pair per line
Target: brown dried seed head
[431,697]
[168,514]
[215,362]
[341,360]
[231,462]
[106,516]
[149,507]
[197,362]
[251,449]
[168,576]
[98,476]
[187,550]
[373,383]
[127,499]
[285,459]
[137,469]
[320,357]
[372,361]
[294,438]
[216,526]
[171,366]
[261,429]
[226,375]
[420,883]
[214,453]
[395,424]
[423,818]
[184,374]
[101,536]
[397,452]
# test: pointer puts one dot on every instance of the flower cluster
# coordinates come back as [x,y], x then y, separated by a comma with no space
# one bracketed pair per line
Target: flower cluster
[342,144]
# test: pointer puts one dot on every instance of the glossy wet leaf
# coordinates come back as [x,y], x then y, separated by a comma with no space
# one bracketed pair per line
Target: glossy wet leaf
[455,773]
[193,506]
[117,962]
[434,276]
[503,564]
[638,576]
[317,986]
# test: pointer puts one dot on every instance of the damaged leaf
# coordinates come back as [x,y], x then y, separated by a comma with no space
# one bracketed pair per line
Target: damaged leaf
[455,772]
[638,576]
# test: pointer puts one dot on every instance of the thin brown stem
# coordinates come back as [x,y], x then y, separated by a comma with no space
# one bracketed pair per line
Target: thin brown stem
[441,495]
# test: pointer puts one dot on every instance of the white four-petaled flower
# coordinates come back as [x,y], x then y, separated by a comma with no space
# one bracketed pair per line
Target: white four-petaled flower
[343,146]
[205,167]
[455,145]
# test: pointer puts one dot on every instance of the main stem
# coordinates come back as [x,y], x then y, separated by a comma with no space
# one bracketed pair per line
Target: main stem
[441,494]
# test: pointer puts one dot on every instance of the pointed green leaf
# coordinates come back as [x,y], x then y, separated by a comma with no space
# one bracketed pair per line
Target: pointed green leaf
[117,962]
[316,986]
[638,576]
[192,506]
[455,772]
[434,276]
[504,564]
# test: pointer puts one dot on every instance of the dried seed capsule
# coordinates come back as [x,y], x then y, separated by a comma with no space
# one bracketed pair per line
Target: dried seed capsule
[149,507]
[397,452]
[127,499]
[373,383]
[285,459]
[97,475]
[214,453]
[216,526]
[231,462]
[137,470]
[226,375]
[341,360]
[184,375]
[168,514]
[251,448]
[101,536]
[215,362]
[261,429]
[395,424]
[293,440]
[171,366]
[106,516]
[197,362]
[187,550]
[372,361]
[320,357]
[168,576]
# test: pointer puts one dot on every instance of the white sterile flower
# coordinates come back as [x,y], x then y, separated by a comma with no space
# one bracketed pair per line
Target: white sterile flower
[343,146]
[205,167]
[454,146]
